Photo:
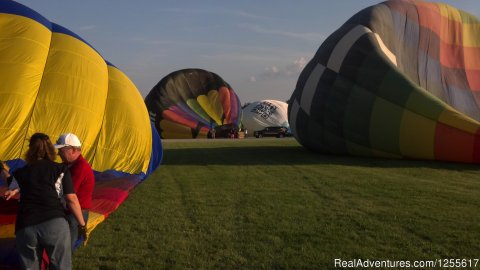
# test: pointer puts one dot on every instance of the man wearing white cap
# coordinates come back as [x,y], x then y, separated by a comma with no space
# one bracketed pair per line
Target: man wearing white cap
[70,150]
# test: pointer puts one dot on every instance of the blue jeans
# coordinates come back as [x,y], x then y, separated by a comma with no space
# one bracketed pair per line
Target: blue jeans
[53,236]
[72,221]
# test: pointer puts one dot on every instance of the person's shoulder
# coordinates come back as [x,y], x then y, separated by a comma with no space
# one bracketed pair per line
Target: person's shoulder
[81,160]
[20,171]
[82,166]
[59,166]
[45,165]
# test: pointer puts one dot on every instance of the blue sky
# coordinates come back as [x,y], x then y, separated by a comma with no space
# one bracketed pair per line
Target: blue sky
[259,47]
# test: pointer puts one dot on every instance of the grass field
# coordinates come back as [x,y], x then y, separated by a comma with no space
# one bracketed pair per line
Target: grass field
[271,204]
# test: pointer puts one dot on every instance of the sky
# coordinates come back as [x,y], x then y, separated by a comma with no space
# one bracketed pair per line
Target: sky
[259,47]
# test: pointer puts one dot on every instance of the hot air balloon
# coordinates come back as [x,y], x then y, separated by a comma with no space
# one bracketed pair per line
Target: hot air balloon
[52,81]
[265,113]
[190,103]
[399,79]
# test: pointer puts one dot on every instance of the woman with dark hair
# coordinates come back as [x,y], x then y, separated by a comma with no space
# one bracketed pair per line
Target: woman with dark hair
[41,221]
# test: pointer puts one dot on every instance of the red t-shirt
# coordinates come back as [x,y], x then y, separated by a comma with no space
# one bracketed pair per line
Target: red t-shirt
[83,181]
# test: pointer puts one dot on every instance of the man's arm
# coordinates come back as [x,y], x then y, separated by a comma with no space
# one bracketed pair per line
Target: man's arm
[74,207]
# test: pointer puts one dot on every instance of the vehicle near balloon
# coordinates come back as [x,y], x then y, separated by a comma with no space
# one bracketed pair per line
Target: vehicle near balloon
[278,132]
[191,103]
[400,79]
[226,131]
[54,82]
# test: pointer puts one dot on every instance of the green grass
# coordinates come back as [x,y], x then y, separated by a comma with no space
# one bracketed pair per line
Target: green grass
[271,204]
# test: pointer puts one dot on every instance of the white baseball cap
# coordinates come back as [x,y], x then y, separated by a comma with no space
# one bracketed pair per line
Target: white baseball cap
[68,139]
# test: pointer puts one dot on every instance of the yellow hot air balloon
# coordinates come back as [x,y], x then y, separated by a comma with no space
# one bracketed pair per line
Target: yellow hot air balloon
[54,82]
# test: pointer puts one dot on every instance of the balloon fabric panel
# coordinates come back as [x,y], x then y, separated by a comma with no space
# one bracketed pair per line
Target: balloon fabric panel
[129,150]
[212,106]
[417,142]
[173,130]
[218,111]
[185,109]
[71,65]
[175,115]
[24,45]
[236,109]
[226,102]
[196,106]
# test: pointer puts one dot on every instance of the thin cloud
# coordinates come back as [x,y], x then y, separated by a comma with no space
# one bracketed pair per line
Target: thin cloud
[240,13]
[310,36]
[291,70]
[217,11]
[87,27]
[297,67]
[234,51]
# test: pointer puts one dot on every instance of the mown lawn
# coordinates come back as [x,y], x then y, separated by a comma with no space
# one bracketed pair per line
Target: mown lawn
[271,204]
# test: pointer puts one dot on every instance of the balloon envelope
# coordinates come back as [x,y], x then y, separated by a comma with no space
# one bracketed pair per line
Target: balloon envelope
[54,82]
[265,113]
[189,103]
[399,79]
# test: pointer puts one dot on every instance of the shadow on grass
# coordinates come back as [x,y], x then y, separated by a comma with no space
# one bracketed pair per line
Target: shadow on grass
[291,155]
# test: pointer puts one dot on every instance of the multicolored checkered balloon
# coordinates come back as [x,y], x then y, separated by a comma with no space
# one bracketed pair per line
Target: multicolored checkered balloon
[398,79]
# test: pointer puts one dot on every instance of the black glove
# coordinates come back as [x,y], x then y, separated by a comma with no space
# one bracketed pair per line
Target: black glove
[82,232]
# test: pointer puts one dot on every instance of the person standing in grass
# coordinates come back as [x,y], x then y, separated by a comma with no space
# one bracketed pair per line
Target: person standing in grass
[41,221]
[70,150]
